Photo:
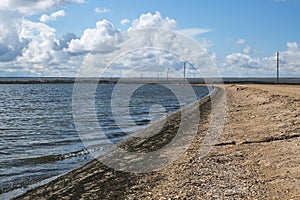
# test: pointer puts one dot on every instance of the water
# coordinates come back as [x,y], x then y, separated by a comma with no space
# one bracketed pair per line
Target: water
[38,138]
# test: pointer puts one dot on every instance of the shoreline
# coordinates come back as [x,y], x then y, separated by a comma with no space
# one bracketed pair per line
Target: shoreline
[256,157]
[129,144]
[172,116]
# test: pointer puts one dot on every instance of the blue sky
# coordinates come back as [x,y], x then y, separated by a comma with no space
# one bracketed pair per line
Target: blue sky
[265,24]
[243,36]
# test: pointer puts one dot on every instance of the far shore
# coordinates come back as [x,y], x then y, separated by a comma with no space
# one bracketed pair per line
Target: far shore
[161,80]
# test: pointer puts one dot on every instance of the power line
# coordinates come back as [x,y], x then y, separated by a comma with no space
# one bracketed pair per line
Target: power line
[168,74]
[184,72]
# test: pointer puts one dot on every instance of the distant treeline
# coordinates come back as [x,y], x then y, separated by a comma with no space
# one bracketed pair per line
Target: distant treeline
[36,82]
[49,81]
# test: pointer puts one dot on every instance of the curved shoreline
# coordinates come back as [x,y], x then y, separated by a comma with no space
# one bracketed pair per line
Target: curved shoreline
[22,191]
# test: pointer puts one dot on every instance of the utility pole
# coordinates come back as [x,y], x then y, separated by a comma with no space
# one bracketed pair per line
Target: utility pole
[168,74]
[184,72]
[277,65]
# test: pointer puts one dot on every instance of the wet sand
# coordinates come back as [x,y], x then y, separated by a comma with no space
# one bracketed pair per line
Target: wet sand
[256,157]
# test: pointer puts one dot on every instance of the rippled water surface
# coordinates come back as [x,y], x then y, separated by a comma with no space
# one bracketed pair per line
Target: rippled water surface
[38,138]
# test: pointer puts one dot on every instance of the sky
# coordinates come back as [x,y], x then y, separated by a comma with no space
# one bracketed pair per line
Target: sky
[55,37]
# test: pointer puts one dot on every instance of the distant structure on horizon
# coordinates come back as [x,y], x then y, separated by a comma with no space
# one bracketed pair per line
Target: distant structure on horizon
[277,67]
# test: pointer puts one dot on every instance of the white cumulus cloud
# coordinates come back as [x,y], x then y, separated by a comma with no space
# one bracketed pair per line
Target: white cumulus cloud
[102,10]
[149,51]
[10,43]
[153,20]
[40,47]
[125,21]
[206,43]
[29,7]
[53,16]
[91,38]
[240,41]
[243,65]
[292,45]
[248,50]
[28,49]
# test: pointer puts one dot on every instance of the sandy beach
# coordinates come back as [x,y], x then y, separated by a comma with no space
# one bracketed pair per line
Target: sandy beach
[256,157]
